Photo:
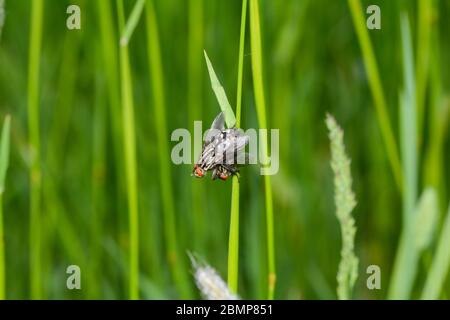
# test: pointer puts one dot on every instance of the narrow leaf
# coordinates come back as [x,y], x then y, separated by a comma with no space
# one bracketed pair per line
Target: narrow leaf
[440,265]
[4,152]
[2,15]
[132,22]
[425,219]
[225,106]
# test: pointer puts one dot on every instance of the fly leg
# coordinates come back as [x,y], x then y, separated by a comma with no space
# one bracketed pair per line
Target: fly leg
[234,170]
[214,174]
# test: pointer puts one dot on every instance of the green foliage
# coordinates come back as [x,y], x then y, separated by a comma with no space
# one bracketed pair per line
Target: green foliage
[233,241]
[4,161]
[221,96]
[426,215]
[405,266]
[376,87]
[4,152]
[2,16]
[129,143]
[37,12]
[345,202]
[154,58]
[440,265]
[79,118]
[132,22]
[260,103]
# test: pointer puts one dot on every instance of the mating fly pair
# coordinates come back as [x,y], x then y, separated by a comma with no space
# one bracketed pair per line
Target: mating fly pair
[222,151]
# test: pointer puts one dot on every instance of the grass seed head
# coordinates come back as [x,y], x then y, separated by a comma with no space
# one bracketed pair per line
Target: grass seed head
[345,202]
[209,282]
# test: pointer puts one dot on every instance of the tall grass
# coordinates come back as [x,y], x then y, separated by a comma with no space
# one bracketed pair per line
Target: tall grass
[195,101]
[424,23]
[60,225]
[345,202]
[110,63]
[4,162]
[440,265]
[177,264]
[83,216]
[233,242]
[129,141]
[438,119]
[98,171]
[406,259]
[2,16]
[258,85]
[132,22]
[231,121]
[37,11]
[377,90]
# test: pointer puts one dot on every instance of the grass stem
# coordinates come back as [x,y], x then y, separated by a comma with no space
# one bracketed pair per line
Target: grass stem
[132,22]
[195,101]
[37,9]
[440,265]
[407,256]
[233,243]
[129,140]
[258,84]
[377,90]
[4,162]
[424,23]
[177,265]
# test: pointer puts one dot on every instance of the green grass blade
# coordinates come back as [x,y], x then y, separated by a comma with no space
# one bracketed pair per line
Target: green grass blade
[438,119]
[195,47]
[413,241]
[440,265]
[195,101]
[225,106]
[345,203]
[2,16]
[37,11]
[4,152]
[110,63]
[98,185]
[425,220]
[258,84]
[377,90]
[4,162]
[132,22]
[424,17]
[408,122]
[233,242]
[241,63]
[407,255]
[129,141]
[177,264]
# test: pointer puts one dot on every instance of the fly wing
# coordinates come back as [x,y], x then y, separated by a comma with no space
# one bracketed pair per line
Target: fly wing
[245,158]
[219,122]
[211,135]
[217,127]
[229,150]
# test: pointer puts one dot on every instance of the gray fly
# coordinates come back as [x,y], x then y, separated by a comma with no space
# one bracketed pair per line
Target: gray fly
[222,151]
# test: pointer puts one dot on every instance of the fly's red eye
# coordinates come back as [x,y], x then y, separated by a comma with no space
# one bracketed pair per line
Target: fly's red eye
[198,171]
[223,177]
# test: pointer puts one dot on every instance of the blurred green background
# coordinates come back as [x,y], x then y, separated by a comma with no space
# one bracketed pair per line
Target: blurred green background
[312,63]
